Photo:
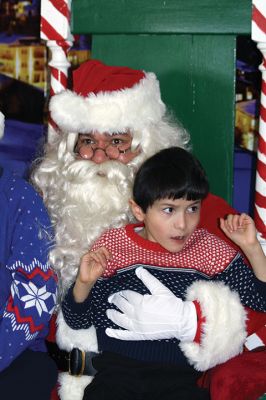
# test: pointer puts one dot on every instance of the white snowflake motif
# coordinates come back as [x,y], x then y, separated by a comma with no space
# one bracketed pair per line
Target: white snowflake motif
[36,297]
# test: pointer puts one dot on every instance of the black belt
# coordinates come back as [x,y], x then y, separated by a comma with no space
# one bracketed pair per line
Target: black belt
[77,362]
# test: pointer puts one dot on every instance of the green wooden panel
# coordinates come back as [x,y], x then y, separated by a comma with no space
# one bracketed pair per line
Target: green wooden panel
[161,16]
[197,76]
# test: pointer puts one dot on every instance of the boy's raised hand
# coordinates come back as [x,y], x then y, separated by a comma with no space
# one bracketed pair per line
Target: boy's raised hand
[92,266]
[240,229]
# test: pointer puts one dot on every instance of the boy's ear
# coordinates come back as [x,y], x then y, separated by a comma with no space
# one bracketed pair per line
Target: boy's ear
[136,210]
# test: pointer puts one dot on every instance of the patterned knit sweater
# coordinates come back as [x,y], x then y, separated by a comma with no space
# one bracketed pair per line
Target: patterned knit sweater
[204,259]
[27,283]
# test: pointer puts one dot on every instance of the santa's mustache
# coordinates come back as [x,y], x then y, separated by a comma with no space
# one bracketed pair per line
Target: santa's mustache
[82,171]
[95,190]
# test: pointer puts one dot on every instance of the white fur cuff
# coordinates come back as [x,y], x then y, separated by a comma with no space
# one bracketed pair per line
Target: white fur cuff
[223,333]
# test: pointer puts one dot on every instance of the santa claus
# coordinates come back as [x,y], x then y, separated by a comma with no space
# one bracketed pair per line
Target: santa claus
[109,123]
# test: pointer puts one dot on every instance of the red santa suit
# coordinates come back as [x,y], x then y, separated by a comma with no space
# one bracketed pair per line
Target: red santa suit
[85,199]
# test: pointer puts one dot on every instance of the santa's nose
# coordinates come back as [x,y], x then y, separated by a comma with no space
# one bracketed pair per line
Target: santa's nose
[99,156]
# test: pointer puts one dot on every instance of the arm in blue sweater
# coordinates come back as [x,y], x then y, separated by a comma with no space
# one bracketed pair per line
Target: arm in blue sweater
[27,282]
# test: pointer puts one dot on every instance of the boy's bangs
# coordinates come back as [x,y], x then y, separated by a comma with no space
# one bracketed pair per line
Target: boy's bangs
[187,191]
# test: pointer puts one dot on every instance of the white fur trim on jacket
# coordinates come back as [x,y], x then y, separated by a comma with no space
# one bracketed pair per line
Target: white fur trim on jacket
[223,333]
[72,387]
[133,108]
[67,338]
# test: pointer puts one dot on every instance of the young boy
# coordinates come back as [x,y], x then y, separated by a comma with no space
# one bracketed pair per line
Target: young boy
[194,315]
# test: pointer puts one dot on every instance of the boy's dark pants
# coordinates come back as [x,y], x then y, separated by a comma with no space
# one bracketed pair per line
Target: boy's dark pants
[122,378]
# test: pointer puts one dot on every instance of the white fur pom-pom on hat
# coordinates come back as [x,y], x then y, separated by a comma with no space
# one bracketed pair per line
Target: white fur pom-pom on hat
[2,124]
[108,99]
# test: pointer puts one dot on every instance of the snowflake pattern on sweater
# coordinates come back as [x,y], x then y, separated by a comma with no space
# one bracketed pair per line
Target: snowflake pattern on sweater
[28,285]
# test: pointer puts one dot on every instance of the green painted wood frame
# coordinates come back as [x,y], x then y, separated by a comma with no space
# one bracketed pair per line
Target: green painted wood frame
[191,46]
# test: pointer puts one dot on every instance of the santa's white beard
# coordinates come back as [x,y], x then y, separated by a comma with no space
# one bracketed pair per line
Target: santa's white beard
[90,199]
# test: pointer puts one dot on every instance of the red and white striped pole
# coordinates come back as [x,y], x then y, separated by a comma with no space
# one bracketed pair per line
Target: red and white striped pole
[259,35]
[55,30]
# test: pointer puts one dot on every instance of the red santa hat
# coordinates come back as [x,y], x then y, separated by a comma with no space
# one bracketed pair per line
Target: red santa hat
[2,124]
[108,99]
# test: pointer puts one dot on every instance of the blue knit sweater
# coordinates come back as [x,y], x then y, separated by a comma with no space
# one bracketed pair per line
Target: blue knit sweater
[27,283]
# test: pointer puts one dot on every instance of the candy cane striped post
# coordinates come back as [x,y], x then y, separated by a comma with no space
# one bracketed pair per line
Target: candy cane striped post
[55,30]
[259,36]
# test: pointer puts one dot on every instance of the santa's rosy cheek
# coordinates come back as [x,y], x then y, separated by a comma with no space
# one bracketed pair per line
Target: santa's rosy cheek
[85,152]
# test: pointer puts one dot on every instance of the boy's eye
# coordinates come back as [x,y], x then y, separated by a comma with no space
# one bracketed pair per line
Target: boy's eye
[168,210]
[193,209]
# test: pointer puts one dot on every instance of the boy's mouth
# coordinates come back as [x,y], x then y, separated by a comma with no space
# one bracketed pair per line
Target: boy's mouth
[178,238]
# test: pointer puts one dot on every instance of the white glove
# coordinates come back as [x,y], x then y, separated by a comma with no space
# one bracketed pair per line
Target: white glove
[159,315]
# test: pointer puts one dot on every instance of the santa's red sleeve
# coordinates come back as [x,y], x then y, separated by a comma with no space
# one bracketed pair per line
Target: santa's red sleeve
[214,207]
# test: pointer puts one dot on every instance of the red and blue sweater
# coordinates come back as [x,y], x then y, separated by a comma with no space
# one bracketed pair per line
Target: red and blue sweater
[28,285]
[206,264]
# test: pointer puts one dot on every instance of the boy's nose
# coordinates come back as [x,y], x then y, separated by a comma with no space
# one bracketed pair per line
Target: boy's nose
[180,221]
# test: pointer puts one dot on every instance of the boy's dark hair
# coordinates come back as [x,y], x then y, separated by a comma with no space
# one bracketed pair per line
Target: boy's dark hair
[173,173]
